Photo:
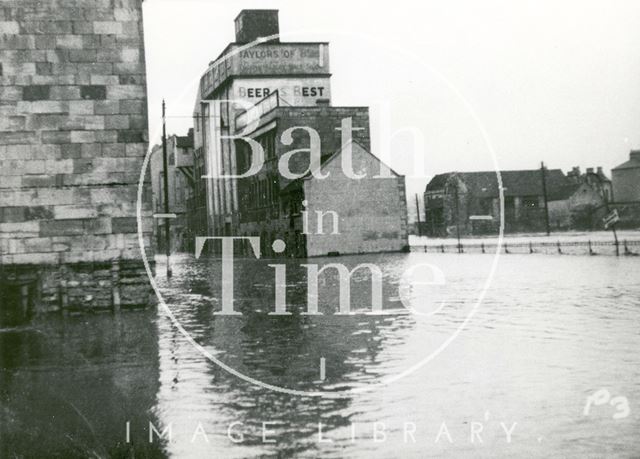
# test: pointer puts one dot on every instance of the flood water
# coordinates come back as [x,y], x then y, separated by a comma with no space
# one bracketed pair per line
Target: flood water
[437,373]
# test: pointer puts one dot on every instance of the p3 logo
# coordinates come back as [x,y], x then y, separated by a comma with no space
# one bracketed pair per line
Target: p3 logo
[602,397]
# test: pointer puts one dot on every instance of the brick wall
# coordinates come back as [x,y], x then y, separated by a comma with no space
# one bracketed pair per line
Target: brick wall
[372,211]
[73,135]
[325,120]
[626,185]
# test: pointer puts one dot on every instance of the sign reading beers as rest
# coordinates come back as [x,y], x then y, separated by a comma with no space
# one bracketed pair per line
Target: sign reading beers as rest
[291,91]
[304,91]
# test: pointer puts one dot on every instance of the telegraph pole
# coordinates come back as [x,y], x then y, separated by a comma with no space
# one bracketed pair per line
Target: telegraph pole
[167,220]
[418,210]
[546,199]
[456,197]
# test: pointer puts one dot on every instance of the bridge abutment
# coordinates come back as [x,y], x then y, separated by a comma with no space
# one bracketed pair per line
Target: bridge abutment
[73,136]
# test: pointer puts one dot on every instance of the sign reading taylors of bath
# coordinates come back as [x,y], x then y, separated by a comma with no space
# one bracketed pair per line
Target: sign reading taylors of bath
[267,59]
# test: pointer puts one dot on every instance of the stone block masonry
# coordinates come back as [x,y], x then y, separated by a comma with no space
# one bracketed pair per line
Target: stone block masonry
[73,135]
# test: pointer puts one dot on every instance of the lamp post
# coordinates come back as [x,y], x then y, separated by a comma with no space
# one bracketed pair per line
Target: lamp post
[167,221]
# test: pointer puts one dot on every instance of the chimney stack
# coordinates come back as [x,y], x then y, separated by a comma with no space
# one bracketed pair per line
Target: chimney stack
[635,154]
[254,24]
[574,174]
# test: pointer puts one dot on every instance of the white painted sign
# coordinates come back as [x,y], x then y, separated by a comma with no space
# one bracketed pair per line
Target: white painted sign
[292,91]
[611,219]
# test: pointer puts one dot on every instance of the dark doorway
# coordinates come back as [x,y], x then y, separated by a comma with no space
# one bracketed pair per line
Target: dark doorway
[15,303]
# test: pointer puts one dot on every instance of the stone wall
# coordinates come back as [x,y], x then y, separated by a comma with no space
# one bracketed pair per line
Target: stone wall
[73,135]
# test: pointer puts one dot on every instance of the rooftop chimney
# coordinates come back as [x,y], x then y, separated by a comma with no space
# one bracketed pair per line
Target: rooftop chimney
[253,24]
[574,174]
[589,170]
[635,154]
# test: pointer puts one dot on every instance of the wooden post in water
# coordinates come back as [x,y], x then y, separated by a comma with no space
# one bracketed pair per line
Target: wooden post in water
[530,247]
[591,252]
[559,249]
[115,286]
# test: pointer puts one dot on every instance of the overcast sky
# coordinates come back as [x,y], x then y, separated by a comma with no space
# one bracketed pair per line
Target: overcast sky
[547,81]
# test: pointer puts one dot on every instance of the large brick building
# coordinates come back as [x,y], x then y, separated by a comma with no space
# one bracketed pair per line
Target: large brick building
[280,90]
[73,135]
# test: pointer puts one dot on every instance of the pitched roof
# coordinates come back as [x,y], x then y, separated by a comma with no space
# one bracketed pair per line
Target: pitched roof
[438,182]
[564,192]
[515,183]
[324,160]
[633,163]
[185,141]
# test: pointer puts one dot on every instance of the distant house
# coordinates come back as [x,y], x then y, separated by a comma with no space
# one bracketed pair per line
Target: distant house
[469,202]
[576,206]
[596,178]
[626,180]
[181,179]
[197,201]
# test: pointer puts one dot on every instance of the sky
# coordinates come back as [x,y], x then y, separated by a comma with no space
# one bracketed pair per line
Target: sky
[469,85]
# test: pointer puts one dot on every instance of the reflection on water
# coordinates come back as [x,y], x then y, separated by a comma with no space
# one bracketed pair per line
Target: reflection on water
[68,386]
[550,331]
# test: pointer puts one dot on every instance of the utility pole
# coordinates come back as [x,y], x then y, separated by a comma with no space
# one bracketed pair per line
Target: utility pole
[456,197]
[546,199]
[167,220]
[615,238]
[418,210]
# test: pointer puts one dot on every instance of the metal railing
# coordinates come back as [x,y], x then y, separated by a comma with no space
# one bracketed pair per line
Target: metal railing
[545,247]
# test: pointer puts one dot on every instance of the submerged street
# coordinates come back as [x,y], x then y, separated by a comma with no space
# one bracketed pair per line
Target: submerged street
[550,332]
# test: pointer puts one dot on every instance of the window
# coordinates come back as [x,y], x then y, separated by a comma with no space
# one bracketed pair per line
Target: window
[274,189]
[486,206]
[268,143]
[179,188]
[530,202]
